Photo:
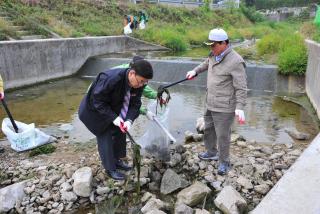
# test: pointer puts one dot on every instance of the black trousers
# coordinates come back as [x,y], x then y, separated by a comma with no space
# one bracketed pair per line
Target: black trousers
[111,146]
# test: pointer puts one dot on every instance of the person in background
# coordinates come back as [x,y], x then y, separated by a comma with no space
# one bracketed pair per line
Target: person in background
[225,98]
[143,17]
[133,20]
[109,109]
[1,98]
[147,92]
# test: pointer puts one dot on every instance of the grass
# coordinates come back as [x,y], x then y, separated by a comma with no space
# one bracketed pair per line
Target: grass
[173,27]
[45,149]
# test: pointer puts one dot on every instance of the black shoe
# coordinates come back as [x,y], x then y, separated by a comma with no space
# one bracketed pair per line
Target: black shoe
[115,175]
[121,165]
[1,149]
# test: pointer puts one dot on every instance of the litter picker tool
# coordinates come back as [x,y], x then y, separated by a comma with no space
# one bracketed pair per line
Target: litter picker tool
[10,116]
[172,139]
[164,89]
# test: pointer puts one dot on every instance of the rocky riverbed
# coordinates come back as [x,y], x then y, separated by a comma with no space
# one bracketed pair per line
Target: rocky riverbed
[72,180]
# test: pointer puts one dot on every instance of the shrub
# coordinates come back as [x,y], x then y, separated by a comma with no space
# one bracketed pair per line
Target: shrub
[269,44]
[293,56]
[174,41]
[251,14]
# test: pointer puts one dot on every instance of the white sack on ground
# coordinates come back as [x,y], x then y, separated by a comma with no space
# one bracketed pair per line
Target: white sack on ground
[28,137]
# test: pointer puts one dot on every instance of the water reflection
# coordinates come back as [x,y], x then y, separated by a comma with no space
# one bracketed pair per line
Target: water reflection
[55,103]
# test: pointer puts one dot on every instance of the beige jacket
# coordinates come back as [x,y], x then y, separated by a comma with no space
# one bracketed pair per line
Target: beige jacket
[1,84]
[226,82]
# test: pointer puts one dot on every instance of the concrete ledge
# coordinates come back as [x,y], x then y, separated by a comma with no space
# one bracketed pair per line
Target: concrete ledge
[260,78]
[298,191]
[32,61]
[313,74]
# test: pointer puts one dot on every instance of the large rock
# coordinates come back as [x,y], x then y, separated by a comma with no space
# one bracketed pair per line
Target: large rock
[296,134]
[10,195]
[82,181]
[230,201]
[155,212]
[200,125]
[194,194]
[153,204]
[171,181]
[244,182]
[183,209]
[202,211]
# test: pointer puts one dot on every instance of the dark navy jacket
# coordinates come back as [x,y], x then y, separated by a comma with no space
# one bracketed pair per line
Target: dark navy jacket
[103,103]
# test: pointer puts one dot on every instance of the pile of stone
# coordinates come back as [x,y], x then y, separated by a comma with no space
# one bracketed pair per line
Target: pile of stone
[35,186]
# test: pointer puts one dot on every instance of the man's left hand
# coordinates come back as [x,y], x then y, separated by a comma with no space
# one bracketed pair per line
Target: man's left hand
[240,115]
[162,101]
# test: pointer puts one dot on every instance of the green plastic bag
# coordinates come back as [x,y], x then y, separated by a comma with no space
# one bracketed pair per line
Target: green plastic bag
[317,18]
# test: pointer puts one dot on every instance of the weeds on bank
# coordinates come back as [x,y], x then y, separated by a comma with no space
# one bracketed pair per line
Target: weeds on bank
[45,149]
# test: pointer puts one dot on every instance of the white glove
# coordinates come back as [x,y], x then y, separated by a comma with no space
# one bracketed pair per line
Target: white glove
[150,115]
[1,95]
[240,115]
[191,74]
[118,121]
[127,125]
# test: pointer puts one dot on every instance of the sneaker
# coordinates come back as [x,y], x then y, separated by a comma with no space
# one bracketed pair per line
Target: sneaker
[121,165]
[116,175]
[206,156]
[223,168]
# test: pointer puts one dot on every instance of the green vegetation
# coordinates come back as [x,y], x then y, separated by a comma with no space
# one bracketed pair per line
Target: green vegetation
[45,149]
[263,4]
[177,28]
[293,56]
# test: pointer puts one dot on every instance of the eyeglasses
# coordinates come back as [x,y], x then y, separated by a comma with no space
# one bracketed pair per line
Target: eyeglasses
[141,82]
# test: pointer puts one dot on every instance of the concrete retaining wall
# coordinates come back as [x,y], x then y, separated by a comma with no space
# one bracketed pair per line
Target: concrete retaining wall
[313,74]
[263,78]
[298,190]
[28,62]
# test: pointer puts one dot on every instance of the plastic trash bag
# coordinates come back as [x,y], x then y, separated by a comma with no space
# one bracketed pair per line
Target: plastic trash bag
[27,138]
[127,29]
[155,141]
[142,25]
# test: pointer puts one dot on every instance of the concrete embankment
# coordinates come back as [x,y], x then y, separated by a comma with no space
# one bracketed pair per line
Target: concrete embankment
[259,77]
[313,74]
[28,62]
[297,191]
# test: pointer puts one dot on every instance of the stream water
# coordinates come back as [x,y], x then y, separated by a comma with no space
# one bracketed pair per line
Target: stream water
[53,107]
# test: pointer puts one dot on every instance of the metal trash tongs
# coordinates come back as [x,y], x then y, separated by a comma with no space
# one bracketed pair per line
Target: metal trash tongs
[172,139]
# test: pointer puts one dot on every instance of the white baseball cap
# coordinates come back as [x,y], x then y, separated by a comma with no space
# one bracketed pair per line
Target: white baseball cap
[216,35]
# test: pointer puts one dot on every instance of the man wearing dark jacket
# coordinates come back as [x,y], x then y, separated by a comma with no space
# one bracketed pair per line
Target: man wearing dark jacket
[109,109]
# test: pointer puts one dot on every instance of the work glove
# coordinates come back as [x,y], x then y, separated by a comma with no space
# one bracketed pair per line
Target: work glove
[150,115]
[118,121]
[1,95]
[162,101]
[240,115]
[125,126]
[191,74]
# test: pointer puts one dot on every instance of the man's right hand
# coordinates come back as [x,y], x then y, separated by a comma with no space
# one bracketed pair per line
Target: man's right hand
[1,95]
[118,121]
[191,74]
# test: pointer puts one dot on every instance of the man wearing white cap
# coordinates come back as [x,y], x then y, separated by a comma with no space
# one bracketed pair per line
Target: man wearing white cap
[225,98]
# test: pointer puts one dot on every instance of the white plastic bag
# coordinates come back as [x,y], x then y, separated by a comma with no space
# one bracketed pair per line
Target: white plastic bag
[142,25]
[28,137]
[127,29]
[155,141]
